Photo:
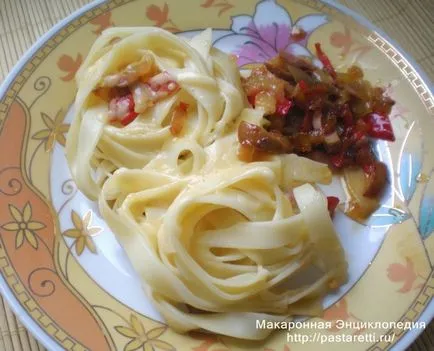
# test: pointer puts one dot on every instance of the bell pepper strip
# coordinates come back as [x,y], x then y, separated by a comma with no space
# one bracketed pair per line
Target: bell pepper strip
[325,60]
[283,107]
[332,203]
[379,126]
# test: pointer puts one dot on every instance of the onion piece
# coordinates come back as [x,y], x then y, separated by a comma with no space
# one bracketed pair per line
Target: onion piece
[257,137]
[157,88]
[376,179]
[179,117]
[302,62]
[358,206]
[332,138]
[299,74]
[322,77]
[131,73]
[332,142]
[276,67]
[248,153]
[143,96]
[316,120]
[160,79]
[266,101]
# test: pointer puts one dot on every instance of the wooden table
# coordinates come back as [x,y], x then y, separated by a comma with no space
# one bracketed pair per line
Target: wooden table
[22,22]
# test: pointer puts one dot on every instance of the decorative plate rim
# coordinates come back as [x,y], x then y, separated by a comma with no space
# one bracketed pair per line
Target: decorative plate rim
[428,315]
[5,290]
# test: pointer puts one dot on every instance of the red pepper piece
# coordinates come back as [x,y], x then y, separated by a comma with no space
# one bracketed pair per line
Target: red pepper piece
[303,85]
[358,135]
[332,203]
[325,60]
[128,118]
[379,126]
[283,107]
[338,160]
[131,114]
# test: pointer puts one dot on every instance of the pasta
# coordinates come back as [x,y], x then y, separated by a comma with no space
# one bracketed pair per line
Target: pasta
[217,242]
[209,83]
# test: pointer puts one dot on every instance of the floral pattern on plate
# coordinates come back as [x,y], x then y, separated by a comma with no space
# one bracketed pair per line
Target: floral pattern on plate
[258,38]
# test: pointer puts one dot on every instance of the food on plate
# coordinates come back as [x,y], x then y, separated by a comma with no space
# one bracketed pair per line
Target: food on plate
[221,250]
[324,114]
[138,90]
[216,211]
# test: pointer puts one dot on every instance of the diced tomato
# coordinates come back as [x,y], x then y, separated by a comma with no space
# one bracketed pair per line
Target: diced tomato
[325,60]
[283,106]
[379,126]
[332,203]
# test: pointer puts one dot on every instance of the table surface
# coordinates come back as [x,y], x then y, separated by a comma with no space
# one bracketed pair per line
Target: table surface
[22,22]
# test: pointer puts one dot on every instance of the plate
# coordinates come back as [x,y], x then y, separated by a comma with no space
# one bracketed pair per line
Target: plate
[68,279]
